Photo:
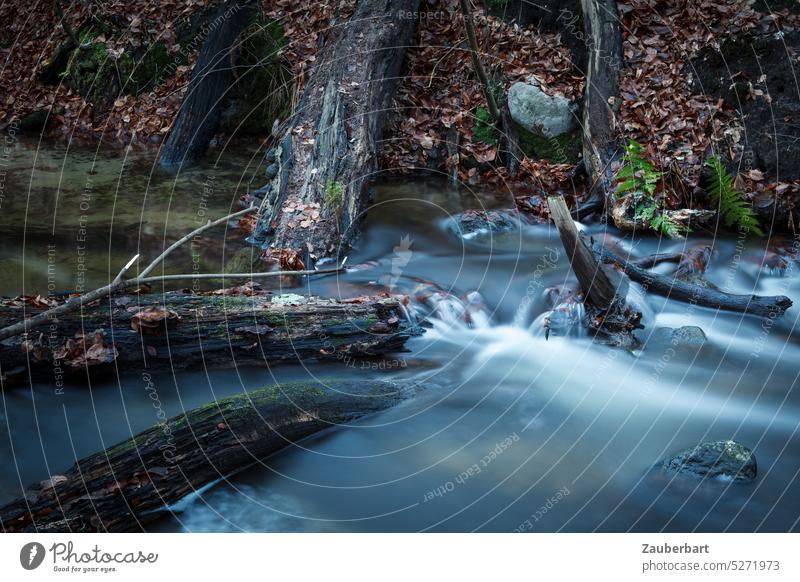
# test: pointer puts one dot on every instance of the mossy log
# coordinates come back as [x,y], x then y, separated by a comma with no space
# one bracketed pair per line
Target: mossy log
[129,485]
[316,193]
[178,330]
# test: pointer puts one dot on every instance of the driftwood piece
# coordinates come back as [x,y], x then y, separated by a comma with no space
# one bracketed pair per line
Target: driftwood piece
[604,292]
[129,485]
[318,171]
[179,330]
[680,290]
[594,278]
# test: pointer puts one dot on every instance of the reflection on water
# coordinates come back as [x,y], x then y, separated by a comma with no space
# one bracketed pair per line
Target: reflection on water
[516,432]
[70,217]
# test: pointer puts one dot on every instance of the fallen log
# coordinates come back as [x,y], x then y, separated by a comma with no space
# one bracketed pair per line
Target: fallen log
[316,193]
[178,330]
[134,483]
[681,290]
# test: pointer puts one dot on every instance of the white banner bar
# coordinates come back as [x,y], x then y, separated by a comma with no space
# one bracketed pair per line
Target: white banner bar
[355,557]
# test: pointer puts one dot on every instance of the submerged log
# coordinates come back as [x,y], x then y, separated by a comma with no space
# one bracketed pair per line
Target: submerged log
[179,330]
[129,485]
[199,115]
[316,192]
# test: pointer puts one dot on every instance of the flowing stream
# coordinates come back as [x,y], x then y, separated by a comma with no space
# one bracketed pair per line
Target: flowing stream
[513,431]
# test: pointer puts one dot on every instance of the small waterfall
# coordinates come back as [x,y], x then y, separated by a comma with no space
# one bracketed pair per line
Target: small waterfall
[563,319]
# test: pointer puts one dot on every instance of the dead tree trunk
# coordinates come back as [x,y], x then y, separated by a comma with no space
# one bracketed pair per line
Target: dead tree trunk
[198,117]
[603,289]
[319,168]
[134,483]
[601,98]
[677,288]
[179,330]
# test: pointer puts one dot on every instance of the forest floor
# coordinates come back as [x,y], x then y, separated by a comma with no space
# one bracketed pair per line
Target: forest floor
[662,105]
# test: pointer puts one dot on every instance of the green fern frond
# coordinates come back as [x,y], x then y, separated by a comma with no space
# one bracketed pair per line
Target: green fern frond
[663,224]
[637,172]
[733,208]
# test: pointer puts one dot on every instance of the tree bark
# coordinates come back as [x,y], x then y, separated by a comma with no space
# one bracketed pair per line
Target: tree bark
[197,330]
[198,117]
[594,278]
[134,483]
[316,193]
[607,314]
[601,97]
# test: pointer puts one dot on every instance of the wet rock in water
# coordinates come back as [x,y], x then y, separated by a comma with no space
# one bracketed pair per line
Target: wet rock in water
[473,223]
[272,171]
[723,460]
[687,336]
[542,114]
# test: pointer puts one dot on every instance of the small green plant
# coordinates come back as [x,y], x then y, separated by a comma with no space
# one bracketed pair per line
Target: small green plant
[640,179]
[637,172]
[333,195]
[733,208]
[484,130]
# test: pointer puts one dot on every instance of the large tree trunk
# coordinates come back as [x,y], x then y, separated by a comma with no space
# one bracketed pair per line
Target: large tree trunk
[199,115]
[601,99]
[177,330]
[124,487]
[318,171]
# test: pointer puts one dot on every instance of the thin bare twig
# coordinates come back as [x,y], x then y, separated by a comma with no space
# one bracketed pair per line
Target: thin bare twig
[263,275]
[494,111]
[210,224]
[117,284]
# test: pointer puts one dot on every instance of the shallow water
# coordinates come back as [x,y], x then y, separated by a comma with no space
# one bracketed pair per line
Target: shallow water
[514,431]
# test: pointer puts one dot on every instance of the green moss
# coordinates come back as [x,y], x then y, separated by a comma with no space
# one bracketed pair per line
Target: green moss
[99,77]
[484,130]
[334,191]
[562,149]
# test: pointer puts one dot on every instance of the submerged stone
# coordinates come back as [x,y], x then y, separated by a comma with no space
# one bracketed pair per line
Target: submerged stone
[722,460]
[686,336]
[473,223]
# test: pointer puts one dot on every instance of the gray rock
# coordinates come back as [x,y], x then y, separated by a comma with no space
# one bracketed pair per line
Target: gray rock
[723,460]
[540,113]
[272,171]
[686,336]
